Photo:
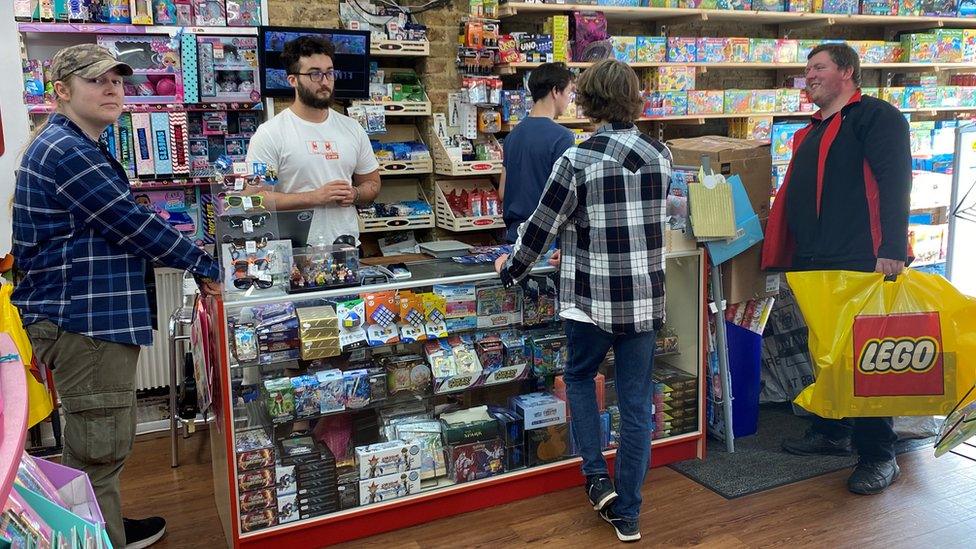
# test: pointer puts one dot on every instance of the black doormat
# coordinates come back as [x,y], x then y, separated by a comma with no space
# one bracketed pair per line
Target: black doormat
[760,464]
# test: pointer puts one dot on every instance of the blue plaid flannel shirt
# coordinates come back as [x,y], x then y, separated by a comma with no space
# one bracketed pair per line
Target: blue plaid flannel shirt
[82,243]
[606,201]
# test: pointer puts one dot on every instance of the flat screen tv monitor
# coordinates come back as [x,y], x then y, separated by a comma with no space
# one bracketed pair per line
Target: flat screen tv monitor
[351,60]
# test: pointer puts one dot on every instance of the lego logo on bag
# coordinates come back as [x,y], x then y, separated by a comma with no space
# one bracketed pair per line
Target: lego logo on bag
[898,355]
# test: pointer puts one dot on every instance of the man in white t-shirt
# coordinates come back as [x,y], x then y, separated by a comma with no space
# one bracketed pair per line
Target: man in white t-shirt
[323,158]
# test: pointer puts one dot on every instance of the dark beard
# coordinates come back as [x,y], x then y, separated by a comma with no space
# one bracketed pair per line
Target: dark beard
[309,98]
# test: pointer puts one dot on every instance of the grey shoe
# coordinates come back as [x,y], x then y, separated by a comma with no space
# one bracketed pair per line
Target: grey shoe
[873,477]
[816,444]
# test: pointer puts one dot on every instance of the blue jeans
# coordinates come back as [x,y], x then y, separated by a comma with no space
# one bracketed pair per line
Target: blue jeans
[634,358]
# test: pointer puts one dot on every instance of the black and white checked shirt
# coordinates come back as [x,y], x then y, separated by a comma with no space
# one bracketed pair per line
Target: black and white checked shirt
[605,200]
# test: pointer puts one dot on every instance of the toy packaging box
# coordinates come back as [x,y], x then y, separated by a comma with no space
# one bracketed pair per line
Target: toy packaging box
[788,100]
[549,351]
[785,51]
[547,444]
[919,48]
[948,45]
[539,410]
[387,458]
[467,462]
[909,7]
[259,479]
[682,50]
[939,8]
[243,13]
[799,6]
[740,5]
[968,45]
[879,7]
[228,68]
[624,48]
[762,50]
[803,49]
[254,450]
[281,398]
[388,487]
[680,78]
[849,7]
[738,50]
[894,95]
[967,8]
[652,49]
[782,134]
[738,101]
[712,50]
[768,5]
[706,101]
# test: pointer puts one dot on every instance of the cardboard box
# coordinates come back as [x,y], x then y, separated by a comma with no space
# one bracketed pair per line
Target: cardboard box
[375,490]
[750,160]
[539,410]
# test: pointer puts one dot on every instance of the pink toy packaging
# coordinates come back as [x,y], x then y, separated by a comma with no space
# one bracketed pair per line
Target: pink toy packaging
[712,50]
[243,13]
[682,50]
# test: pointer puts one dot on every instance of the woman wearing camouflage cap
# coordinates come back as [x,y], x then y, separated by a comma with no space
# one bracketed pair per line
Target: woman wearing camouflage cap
[84,249]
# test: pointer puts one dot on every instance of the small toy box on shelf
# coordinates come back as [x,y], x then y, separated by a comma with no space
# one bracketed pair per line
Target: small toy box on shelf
[467,205]
[401,151]
[400,206]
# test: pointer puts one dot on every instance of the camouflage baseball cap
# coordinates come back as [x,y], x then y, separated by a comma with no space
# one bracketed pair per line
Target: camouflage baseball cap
[86,61]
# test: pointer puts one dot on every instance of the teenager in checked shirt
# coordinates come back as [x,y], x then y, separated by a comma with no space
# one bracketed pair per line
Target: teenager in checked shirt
[605,200]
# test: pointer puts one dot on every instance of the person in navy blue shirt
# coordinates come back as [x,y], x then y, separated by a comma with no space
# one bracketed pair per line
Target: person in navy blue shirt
[534,146]
[84,248]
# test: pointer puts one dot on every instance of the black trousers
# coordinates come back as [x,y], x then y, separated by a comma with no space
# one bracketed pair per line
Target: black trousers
[873,437]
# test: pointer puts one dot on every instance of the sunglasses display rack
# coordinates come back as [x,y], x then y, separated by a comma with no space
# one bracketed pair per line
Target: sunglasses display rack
[254,258]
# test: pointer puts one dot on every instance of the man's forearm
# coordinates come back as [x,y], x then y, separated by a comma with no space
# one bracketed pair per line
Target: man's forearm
[367,188]
[293,201]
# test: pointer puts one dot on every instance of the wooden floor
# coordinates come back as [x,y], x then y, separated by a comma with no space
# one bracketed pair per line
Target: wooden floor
[933,505]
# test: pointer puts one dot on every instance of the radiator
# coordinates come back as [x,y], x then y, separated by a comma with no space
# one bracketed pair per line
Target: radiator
[152,371]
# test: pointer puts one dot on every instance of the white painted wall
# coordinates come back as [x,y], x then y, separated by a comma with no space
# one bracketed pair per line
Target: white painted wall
[15,122]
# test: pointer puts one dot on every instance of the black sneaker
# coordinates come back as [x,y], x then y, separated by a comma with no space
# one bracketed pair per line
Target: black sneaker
[628,530]
[873,477]
[816,444]
[600,490]
[144,532]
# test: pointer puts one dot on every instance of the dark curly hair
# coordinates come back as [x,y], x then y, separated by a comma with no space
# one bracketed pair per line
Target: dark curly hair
[305,46]
[610,91]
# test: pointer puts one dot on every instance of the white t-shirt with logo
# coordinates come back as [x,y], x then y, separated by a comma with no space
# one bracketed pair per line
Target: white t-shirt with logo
[307,155]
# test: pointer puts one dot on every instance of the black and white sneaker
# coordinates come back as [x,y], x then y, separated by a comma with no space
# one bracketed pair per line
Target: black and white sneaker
[628,530]
[599,489]
[143,532]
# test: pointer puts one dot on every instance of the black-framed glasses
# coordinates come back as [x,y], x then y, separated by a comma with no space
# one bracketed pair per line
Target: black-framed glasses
[237,221]
[245,283]
[317,76]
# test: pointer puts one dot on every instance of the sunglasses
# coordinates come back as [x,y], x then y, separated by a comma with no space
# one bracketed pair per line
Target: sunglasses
[237,201]
[246,283]
[242,265]
[242,242]
[237,221]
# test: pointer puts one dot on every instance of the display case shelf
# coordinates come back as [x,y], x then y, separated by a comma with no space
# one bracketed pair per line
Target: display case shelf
[442,497]
[395,191]
[445,164]
[401,108]
[403,133]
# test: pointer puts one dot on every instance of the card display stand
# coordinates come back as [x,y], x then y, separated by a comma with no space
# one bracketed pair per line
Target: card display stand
[445,164]
[420,166]
[392,191]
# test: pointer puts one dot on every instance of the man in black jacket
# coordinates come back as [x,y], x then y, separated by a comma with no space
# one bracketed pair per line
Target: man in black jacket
[844,206]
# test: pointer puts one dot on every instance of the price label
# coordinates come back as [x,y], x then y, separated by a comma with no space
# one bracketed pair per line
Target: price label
[239,184]
[246,202]
[264,276]
[252,270]
[251,247]
[247,226]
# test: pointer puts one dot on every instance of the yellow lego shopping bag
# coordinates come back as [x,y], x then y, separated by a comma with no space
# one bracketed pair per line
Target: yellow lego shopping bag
[901,348]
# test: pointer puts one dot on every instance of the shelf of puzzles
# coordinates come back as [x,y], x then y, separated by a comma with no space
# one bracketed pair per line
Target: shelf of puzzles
[921,58]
